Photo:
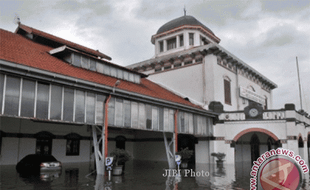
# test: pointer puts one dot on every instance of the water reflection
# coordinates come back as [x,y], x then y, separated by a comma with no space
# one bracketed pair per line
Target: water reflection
[137,175]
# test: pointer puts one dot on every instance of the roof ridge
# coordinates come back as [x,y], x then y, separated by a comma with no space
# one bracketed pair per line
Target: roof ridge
[74,45]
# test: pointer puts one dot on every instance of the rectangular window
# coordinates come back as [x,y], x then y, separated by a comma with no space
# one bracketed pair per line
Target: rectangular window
[106,69]
[1,91]
[127,113]
[119,113]
[90,107]
[181,124]
[161,119]
[73,147]
[190,123]
[28,95]
[56,102]
[113,72]
[171,120]
[227,92]
[68,104]
[126,75]
[171,43]
[77,60]
[134,114]
[131,77]
[119,74]
[92,65]
[155,118]
[79,106]
[100,68]
[142,116]
[166,119]
[84,62]
[191,39]
[161,46]
[181,41]
[148,116]
[11,104]
[100,109]
[42,101]
[111,112]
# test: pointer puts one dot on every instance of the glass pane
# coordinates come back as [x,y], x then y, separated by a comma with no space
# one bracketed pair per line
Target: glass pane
[92,65]
[113,72]
[100,109]
[119,113]
[171,120]
[126,75]
[148,117]
[1,90]
[142,116]
[127,113]
[119,74]
[90,108]
[166,119]
[12,96]
[181,122]
[56,102]
[186,122]
[155,118]
[68,104]
[106,69]
[161,119]
[190,124]
[28,94]
[99,67]
[134,114]
[77,60]
[42,101]
[137,79]
[79,106]
[111,112]
[131,77]
[85,62]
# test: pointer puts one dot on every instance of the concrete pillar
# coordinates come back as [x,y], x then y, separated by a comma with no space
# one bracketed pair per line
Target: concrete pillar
[165,45]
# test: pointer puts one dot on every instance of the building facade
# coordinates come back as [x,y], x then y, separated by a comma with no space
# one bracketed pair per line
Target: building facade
[64,99]
[189,61]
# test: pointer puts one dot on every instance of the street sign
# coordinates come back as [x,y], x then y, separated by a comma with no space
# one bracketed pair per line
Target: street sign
[108,161]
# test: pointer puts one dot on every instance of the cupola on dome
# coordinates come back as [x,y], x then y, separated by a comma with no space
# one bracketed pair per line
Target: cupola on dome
[182,21]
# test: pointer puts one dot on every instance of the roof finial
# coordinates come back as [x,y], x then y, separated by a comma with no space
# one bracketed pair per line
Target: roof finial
[184,11]
[17,19]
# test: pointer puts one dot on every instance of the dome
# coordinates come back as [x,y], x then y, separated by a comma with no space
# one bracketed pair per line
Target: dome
[183,20]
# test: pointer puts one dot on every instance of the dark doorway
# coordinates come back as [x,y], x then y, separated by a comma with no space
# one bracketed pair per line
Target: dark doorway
[120,142]
[187,141]
[254,147]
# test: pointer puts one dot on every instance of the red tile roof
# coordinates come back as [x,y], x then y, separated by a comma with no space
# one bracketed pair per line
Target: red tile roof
[18,49]
[61,41]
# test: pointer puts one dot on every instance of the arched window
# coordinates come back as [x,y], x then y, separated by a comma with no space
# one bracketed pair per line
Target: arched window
[44,142]
[227,90]
[73,144]
[300,142]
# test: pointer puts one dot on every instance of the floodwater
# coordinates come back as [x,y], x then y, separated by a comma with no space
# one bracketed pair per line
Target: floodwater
[138,175]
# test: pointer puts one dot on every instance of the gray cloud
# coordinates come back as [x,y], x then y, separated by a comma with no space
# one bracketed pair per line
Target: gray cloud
[268,35]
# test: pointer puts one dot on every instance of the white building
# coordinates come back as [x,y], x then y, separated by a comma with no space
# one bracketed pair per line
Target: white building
[189,60]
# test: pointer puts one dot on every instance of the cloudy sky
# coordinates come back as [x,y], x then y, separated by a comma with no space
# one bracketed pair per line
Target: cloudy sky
[268,35]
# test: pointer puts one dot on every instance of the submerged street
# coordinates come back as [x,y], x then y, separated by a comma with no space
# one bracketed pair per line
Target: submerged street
[138,175]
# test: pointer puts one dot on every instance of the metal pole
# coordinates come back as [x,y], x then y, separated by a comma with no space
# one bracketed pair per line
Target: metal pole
[299,83]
